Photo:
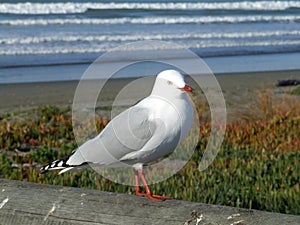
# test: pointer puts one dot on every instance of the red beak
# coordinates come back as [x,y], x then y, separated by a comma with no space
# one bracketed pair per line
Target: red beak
[187,88]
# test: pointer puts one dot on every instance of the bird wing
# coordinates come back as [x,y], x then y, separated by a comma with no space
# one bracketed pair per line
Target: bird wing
[126,133]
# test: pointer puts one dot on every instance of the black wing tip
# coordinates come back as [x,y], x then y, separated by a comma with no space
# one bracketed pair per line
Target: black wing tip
[57,164]
[42,170]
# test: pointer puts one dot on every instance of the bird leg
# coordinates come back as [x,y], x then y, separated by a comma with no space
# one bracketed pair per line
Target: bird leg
[148,194]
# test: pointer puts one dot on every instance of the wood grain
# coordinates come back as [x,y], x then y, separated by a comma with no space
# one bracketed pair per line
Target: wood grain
[29,203]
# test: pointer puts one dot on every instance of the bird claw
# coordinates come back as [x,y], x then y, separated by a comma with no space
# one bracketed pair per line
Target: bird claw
[157,198]
[163,198]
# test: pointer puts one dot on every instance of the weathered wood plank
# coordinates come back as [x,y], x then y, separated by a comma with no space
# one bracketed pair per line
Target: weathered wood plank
[30,204]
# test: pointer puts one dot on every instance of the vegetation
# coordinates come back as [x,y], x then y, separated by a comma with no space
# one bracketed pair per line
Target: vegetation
[257,167]
[296,91]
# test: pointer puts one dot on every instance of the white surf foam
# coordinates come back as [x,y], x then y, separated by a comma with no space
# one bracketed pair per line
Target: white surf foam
[139,37]
[97,48]
[153,20]
[70,7]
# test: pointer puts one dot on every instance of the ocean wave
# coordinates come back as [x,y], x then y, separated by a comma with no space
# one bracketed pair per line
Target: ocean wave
[71,8]
[142,37]
[97,48]
[154,20]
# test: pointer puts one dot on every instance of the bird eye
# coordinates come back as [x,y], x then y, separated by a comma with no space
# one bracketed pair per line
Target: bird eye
[169,82]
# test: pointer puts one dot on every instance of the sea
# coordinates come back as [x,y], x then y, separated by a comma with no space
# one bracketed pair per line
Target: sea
[57,40]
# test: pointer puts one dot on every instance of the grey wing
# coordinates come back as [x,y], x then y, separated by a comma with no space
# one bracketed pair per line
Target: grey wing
[126,133]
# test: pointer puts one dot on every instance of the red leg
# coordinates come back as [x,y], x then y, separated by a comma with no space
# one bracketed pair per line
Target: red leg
[148,193]
[137,189]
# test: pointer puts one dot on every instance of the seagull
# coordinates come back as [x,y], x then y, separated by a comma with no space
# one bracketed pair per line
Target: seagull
[142,134]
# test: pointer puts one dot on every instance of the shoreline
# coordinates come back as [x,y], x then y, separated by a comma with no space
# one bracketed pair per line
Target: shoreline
[74,70]
[237,88]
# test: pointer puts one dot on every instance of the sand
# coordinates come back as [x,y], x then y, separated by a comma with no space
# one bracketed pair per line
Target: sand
[237,88]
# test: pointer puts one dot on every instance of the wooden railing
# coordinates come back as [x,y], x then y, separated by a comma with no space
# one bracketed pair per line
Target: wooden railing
[29,203]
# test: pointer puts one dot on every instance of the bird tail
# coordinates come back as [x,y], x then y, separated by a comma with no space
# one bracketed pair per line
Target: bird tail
[64,164]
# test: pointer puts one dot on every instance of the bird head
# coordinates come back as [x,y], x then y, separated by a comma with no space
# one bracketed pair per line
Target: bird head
[175,79]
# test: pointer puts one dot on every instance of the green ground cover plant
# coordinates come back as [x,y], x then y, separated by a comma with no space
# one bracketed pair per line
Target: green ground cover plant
[257,166]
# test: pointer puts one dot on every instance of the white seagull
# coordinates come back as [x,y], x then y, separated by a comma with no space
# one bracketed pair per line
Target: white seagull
[141,134]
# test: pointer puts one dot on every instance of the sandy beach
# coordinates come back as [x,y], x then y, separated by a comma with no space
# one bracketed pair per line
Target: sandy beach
[237,88]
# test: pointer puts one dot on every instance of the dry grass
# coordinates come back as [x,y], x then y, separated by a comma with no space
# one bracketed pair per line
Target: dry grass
[267,105]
